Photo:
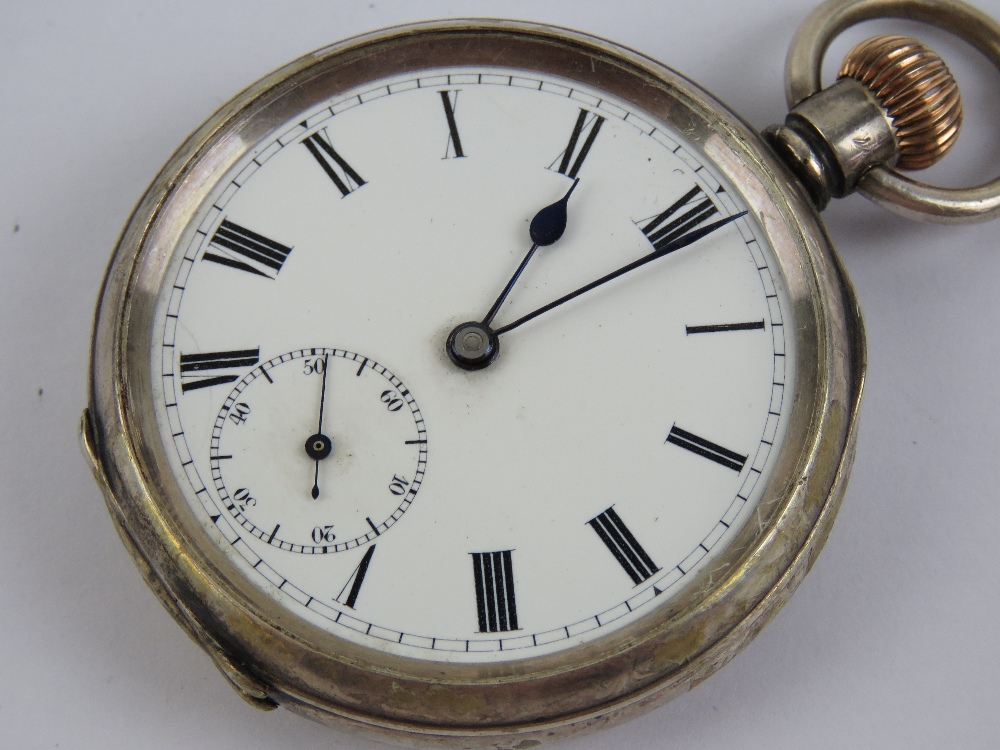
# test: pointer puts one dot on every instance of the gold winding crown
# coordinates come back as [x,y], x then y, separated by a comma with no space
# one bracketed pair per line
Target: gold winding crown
[917,90]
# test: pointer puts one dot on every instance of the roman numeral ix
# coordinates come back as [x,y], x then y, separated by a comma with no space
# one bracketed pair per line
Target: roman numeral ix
[238,247]
[711,451]
[623,545]
[336,167]
[204,370]
[454,148]
[494,576]
[587,125]
[664,229]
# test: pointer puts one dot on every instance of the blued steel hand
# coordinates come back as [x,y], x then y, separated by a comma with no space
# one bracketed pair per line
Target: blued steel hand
[677,244]
[547,227]
[319,446]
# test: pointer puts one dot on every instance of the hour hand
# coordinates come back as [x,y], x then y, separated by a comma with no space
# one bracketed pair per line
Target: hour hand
[473,345]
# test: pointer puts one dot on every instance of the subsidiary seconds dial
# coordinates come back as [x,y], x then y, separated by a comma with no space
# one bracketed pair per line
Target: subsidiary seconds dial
[318,450]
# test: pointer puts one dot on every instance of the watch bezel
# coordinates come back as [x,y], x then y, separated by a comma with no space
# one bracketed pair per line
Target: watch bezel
[271,655]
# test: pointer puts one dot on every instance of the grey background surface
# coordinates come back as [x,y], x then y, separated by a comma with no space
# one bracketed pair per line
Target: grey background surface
[889,643]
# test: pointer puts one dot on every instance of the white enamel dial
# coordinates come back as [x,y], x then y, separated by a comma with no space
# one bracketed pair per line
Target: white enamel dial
[611,450]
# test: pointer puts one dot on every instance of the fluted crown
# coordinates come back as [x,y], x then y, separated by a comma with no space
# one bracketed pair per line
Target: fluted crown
[918,91]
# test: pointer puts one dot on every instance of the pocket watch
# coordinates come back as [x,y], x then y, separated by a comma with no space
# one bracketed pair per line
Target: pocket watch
[475,383]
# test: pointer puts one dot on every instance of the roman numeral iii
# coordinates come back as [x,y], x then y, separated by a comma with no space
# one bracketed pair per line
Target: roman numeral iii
[623,545]
[690,211]
[336,167]
[454,148]
[494,576]
[237,247]
[588,125]
[706,449]
[205,370]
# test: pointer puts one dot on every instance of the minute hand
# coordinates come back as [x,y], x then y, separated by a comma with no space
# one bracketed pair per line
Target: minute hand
[677,244]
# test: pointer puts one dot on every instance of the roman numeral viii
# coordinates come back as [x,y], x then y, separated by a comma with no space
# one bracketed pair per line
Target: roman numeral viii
[706,449]
[588,125]
[495,605]
[336,167]
[454,148]
[205,370]
[238,247]
[690,211]
[623,545]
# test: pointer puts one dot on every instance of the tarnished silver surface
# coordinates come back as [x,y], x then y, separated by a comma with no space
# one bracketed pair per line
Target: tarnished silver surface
[845,131]
[273,657]
[883,185]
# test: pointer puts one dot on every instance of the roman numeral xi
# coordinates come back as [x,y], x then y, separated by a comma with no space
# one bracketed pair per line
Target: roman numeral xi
[623,545]
[494,577]
[210,368]
[237,247]
[336,167]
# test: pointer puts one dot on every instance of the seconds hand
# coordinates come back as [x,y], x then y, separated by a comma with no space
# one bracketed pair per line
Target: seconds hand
[318,446]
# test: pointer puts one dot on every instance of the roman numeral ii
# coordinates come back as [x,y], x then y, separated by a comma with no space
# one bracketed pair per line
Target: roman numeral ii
[706,449]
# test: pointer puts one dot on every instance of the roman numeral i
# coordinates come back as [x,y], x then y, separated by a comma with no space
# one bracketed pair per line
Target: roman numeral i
[494,576]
